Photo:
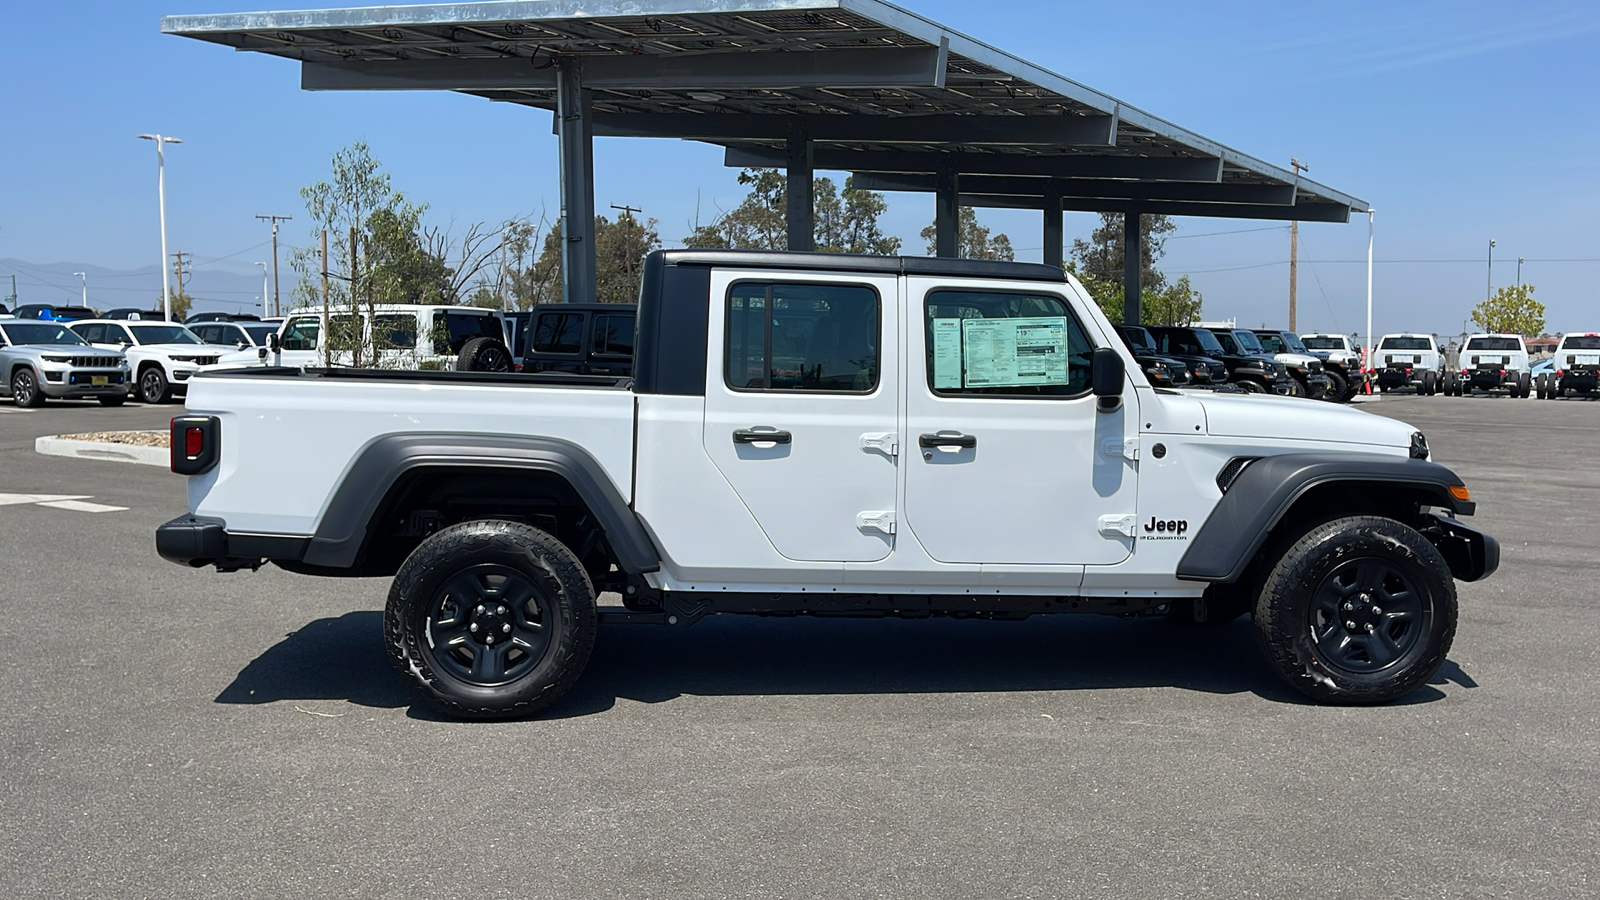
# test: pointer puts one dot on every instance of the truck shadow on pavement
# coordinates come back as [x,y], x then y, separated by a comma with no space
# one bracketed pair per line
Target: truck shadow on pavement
[344,659]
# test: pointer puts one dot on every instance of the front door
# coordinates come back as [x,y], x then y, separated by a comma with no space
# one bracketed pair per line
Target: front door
[802,408]
[1008,458]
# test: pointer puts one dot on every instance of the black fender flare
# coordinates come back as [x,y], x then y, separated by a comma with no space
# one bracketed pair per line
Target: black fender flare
[1262,494]
[342,532]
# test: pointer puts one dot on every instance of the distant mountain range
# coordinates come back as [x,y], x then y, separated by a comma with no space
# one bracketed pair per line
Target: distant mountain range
[223,285]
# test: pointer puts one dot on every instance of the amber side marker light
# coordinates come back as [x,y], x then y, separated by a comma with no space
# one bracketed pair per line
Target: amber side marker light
[1460,492]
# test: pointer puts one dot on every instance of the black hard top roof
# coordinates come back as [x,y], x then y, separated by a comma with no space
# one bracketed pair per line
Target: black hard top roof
[849,262]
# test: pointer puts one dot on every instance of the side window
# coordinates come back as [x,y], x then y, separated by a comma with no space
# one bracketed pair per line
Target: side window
[460,327]
[301,334]
[555,332]
[211,334]
[802,337]
[1004,344]
[394,331]
[613,334]
[1272,343]
[93,334]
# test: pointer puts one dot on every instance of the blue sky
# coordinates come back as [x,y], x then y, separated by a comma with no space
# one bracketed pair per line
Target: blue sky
[1458,121]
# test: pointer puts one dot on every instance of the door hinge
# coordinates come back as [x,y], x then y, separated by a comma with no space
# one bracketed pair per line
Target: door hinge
[883,441]
[1123,525]
[1128,448]
[880,520]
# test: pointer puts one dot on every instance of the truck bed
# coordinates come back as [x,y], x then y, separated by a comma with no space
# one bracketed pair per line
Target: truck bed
[273,419]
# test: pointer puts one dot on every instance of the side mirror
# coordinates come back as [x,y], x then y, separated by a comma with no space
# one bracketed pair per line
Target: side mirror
[272,342]
[1106,377]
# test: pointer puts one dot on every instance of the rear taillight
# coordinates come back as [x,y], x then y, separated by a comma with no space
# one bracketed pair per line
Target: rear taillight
[195,444]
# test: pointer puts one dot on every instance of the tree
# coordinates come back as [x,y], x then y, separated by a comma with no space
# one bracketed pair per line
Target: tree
[1101,255]
[842,222]
[1176,304]
[619,250]
[1512,310]
[973,240]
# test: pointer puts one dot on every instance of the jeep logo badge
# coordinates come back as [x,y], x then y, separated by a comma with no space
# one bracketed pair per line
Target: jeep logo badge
[1173,527]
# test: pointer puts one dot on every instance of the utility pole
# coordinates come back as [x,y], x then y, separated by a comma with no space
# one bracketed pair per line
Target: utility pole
[629,212]
[183,280]
[1294,249]
[274,220]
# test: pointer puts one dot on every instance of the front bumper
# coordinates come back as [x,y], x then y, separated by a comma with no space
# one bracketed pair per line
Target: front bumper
[1471,554]
[71,384]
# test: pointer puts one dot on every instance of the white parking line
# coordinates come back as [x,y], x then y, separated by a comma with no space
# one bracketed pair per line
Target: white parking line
[73,502]
[80,506]
[14,409]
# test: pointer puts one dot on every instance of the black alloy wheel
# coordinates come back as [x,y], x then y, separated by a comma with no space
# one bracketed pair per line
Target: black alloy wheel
[1251,387]
[483,354]
[1336,388]
[1366,615]
[488,625]
[153,387]
[1357,610]
[25,389]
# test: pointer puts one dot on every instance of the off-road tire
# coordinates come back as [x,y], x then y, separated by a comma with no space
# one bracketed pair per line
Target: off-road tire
[25,390]
[153,385]
[1336,388]
[1250,387]
[564,598]
[1291,611]
[484,354]
[112,399]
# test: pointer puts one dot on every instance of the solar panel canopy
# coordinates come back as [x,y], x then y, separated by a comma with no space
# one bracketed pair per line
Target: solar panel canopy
[873,89]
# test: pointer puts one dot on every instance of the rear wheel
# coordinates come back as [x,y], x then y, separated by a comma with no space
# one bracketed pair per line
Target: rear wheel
[490,619]
[25,390]
[1524,383]
[483,354]
[1430,384]
[1357,610]
[1452,383]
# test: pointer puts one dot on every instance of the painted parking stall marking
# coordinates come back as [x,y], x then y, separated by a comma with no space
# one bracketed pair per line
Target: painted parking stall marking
[73,502]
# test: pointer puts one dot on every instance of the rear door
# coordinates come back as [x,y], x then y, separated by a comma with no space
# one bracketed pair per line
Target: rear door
[1008,459]
[802,408]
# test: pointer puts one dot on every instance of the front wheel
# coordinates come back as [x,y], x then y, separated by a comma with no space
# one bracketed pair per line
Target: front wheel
[25,390]
[1251,387]
[1336,388]
[153,386]
[1358,610]
[490,619]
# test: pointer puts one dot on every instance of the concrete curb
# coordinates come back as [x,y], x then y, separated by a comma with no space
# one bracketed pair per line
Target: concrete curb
[50,445]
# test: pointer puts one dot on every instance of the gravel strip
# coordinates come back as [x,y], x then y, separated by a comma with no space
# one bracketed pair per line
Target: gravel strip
[140,438]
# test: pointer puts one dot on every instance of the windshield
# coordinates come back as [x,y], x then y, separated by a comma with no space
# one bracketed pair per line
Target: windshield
[1292,342]
[258,333]
[1581,342]
[40,333]
[1247,340]
[1325,343]
[163,334]
[1494,343]
[1406,343]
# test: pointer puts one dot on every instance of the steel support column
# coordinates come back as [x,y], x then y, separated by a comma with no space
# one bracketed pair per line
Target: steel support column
[800,208]
[947,212]
[1132,266]
[1053,236]
[577,183]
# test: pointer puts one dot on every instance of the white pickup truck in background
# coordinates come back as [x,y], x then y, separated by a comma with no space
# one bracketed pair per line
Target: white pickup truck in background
[812,433]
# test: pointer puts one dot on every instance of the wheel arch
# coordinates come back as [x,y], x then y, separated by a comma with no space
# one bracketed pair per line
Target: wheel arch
[1278,493]
[393,465]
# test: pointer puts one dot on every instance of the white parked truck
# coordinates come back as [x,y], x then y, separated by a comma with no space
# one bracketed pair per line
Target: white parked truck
[1408,360]
[1491,361]
[810,433]
[1577,367]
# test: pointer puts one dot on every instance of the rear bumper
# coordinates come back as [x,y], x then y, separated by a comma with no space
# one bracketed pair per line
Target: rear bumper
[200,541]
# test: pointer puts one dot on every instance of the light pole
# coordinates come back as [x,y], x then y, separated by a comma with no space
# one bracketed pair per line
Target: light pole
[1366,351]
[1488,291]
[1519,271]
[161,191]
[263,287]
[85,278]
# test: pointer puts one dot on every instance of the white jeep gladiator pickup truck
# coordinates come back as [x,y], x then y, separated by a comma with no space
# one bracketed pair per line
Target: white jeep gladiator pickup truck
[823,434]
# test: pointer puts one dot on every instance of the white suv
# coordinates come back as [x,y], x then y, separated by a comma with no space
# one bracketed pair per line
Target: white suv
[1403,360]
[401,336]
[163,355]
[1490,361]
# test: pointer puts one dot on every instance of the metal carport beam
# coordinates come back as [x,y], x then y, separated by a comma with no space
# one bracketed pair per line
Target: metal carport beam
[1061,130]
[886,68]
[1023,186]
[1174,168]
[577,183]
[1303,212]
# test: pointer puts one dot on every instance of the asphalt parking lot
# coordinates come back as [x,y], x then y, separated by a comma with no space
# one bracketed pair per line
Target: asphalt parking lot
[170,732]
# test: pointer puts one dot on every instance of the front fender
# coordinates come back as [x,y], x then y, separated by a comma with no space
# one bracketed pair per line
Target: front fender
[1263,493]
